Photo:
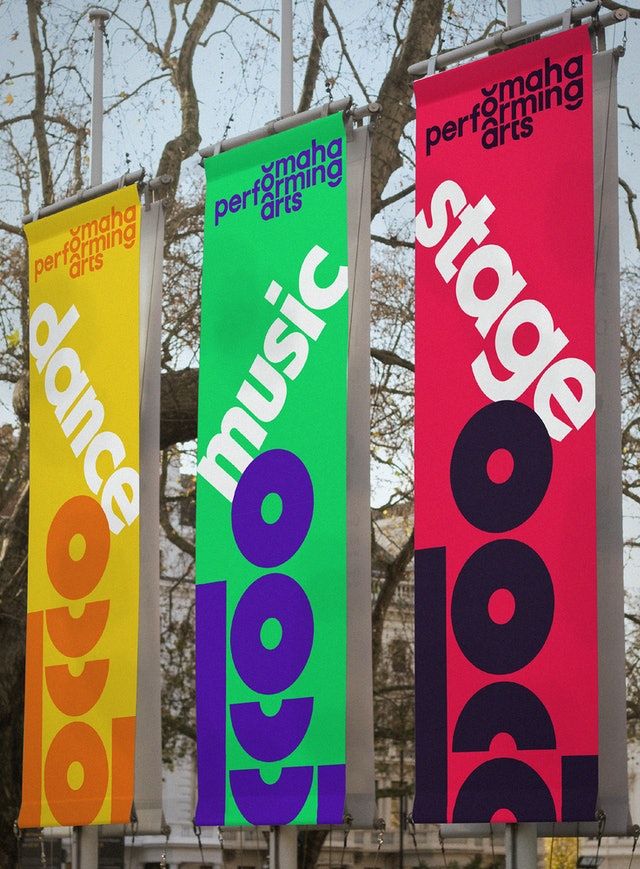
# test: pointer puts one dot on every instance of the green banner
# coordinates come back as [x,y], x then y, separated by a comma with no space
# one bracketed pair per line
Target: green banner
[271,595]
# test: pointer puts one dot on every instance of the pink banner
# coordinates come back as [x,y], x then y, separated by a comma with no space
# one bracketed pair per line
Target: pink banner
[506,619]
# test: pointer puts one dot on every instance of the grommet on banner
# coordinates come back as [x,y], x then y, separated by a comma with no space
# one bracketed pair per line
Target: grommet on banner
[635,831]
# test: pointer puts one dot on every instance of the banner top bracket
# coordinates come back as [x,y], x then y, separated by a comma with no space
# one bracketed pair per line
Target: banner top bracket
[511,36]
[288,122]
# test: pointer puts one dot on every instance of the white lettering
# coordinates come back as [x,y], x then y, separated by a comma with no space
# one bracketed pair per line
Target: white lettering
[524,367]
[447,192]
[510,285]
[553,384]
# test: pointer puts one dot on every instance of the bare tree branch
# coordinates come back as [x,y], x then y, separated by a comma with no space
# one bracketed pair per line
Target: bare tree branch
[387,357]
[634,124]
[397,196]
[186,143]
[631,196]
[345,52]
[34,8]
[396,93]
[9,227]
[391,240]
[319,34]
[610,4]
[394,573]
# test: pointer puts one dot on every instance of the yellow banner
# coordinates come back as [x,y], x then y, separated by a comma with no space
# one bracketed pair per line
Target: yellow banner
[82,622]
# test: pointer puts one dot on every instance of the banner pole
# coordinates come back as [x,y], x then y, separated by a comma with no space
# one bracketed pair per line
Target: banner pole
[520,846]
[286,58]
[514,13]
[98,17]
[283,840]
[510,36]
[86,839]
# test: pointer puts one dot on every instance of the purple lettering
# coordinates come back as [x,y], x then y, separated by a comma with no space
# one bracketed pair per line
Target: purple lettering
[263,543]
[273,596]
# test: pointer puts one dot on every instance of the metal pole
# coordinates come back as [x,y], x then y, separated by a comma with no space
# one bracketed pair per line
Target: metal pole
[85,853]
[521,846]
[402,802]
[98,18]
[92,193]
[514,13]
[283,848]
[286,57]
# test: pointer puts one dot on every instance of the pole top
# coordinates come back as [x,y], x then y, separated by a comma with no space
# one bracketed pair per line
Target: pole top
[97,12]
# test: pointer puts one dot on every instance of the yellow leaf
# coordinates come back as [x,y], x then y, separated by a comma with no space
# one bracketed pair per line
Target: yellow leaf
[13,339]
[8,99]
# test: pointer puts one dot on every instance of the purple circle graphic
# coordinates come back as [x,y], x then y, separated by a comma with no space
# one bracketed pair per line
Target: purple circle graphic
[273,596]
[263,543]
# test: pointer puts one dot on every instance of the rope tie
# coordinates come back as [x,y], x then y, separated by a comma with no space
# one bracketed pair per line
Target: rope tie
[258,854]
[412,833]
[197,832]
[601,818]
[330,846]
[441,840]
[17,832]
[380,827]
[43,854]
[635,830]
[493,852]
[163,854]
[347,829]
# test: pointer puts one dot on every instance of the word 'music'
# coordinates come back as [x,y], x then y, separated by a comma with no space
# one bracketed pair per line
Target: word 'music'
[501,307]
[88,242]
[288,339]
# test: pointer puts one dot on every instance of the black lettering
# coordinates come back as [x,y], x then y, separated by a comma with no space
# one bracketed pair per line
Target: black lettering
[516,567]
